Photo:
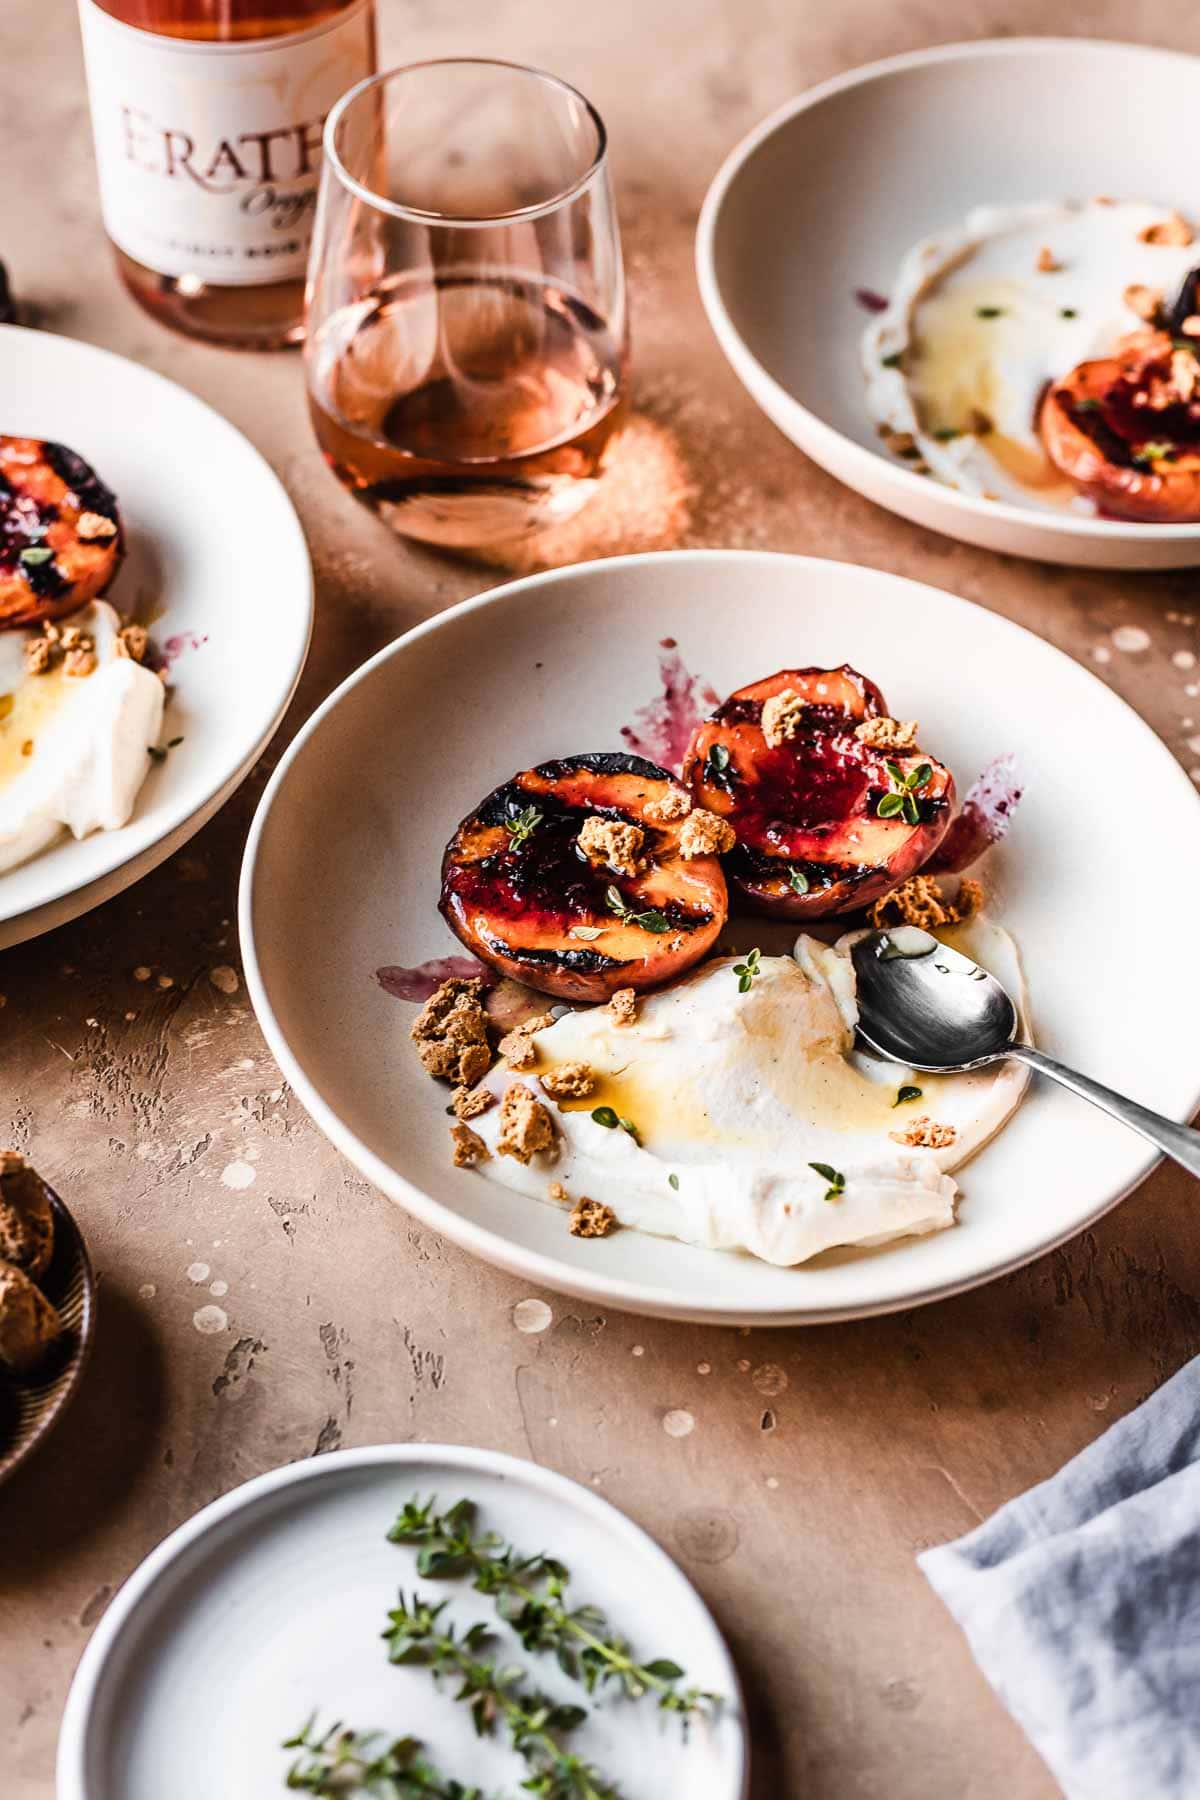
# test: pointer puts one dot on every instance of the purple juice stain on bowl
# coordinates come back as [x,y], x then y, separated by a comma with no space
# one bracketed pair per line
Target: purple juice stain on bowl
[986,814]
[420,982]
[662,729]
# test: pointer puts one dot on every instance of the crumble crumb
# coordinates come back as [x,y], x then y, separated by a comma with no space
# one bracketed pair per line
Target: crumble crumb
[623,1006]
[133,641]
[74,648]
[450,1033]
[557,1191]
[91,525]
[518,1047]
[1047,262]
[888,734]
[969,899]
[569,1081]
[1174,230]
[925,1134]
[782,712]
[705,834]
[591,1219]
[612,842]
[518,1050]
[525,1124]
[1142,300]
[919,901]
[468,1103]
[469,1147]
[675,804]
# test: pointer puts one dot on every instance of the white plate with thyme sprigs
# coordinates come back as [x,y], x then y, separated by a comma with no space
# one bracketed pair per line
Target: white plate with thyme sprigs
[388,1622]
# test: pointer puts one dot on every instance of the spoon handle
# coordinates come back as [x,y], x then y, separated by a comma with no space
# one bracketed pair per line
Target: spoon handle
[1178,1141]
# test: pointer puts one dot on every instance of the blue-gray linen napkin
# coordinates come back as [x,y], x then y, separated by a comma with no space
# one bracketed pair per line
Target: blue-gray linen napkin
[1081,1603]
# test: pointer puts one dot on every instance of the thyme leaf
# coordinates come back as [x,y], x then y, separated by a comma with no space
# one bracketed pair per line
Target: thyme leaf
[651,920]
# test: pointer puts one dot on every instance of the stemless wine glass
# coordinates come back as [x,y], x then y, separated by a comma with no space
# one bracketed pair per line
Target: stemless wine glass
[467,340]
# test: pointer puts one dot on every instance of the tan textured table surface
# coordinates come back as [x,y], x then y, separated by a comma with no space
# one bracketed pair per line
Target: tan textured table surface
[347,1325]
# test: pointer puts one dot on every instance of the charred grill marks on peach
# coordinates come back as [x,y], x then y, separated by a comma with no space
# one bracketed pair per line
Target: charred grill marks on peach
[594,860]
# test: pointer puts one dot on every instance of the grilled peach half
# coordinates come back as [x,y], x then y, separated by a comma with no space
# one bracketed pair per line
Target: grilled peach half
[624,908]
[1126,430]
[825,821]
[60,532]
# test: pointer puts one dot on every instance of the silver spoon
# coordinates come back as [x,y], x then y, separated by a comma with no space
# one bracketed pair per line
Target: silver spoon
[929,1007]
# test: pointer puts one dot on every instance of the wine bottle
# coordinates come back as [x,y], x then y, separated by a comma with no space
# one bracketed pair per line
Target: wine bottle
[207,117]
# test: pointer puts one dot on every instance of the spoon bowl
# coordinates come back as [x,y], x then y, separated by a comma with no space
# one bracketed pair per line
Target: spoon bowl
[924,1005]
[928,1006]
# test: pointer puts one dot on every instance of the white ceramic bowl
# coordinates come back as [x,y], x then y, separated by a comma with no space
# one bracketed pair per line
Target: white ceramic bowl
[215,553]
[828,193]
[342,875]
[270,1602]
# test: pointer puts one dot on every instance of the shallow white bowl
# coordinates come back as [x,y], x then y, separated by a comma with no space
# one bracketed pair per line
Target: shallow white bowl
[270,1603]
[216,551]
[342,876]
[828,193]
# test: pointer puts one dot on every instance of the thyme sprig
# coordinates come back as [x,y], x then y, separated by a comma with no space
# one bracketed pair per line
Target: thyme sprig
[835,1178]
[340,1764]
[530,1595]
[651,920]
[496,1694]
[902,795]
[522,826]
[746,971]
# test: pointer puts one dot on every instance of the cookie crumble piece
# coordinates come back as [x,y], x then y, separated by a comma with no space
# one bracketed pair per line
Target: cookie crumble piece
[556,1191]
[569,1081]
[450,1033]
[468,1103]
[591,1219]
[705,834]
[90,525]
[1173,231]
[623,1006]
[919,901]
[517,1046]
[925,1134]
[675,804]
[1047,262]
[132,642]
[781,714]
[469,1147]
[1142,300]
[887,734]
[525,1124]
[613,843]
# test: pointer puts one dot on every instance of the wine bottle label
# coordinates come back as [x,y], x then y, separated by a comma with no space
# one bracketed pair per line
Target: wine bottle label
[208,154]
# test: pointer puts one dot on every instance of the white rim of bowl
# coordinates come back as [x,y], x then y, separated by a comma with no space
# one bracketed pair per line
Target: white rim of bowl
[180,813]
[71,1767]
[743,359]
[492,1246]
